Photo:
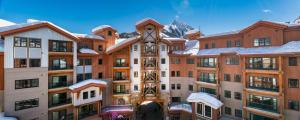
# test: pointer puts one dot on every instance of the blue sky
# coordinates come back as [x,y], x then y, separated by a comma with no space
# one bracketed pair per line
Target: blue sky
[212,16]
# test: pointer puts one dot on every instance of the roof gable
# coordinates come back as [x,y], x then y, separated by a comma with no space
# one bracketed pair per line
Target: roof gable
[147,21]
[263,23]
[19,28]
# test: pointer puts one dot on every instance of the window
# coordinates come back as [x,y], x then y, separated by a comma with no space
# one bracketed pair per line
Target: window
[34,62]
[135,47]
[88,76]
[136,87]
[292,61]
[26,83]
[20,42]
[178,86]
[199,109]
[262,63]
[262,42]
[190,61]
[135,61]
[207,62]
[87,61]
[190,74]
[100,75]
[163,61]
[237,95]
[163,86]
[173,86]
[263,102]
[293,83]
[293,105]
[208,90]
[175,60]
[136,74]
[228,110]
[85,95]
[238,43]
[176,99]
[208,77]
[264,83]
[20,63]
[34,43]
[163,48]
[93,93]
[163,73]
[227,94]
[100,61]
[60,46]
[238,113]
[25,104]
[191,88]
[100,48]
[226,77]
[109,33]
[232,60]
[213,45]
[207,111]
[237,78]
[228,44]
[206,46]
[177,73]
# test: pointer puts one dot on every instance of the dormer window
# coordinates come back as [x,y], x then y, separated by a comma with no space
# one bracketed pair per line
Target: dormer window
[261,42]
[109,33]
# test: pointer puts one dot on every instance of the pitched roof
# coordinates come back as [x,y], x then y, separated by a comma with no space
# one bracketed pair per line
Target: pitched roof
[122,44]
[84,83]
[206,99]
[88,36]
[17,28]
[102,27]
[146,21]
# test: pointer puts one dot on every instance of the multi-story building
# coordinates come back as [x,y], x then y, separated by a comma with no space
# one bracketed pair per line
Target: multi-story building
[50,73]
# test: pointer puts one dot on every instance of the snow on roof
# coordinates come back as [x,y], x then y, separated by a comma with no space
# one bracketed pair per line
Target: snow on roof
[100,27]
[87,51]
[206,99]
[144,20]
[30,23]
[91,36]
[191,47]
[192,31]
[86,82]
[118,108]
[6,23]
[122,42]
[221,34]
[2,117]
[181,106]
[174,39]
[290,47]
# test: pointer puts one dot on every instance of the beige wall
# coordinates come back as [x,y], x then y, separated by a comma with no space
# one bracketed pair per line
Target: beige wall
[231,102]
[12,95]
[184,91]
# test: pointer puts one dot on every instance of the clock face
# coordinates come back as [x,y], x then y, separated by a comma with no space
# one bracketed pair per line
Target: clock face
[149,33]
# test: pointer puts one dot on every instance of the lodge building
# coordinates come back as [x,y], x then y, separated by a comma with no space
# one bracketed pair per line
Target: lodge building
[50,73]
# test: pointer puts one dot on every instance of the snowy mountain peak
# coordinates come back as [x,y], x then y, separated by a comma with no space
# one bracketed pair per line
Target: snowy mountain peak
[175,29]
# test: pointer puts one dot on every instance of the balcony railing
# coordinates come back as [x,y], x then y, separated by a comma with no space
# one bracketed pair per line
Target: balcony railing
[209,65]
[262,66]
[87,114]
[61,102]
[273,89]
[60,68]
[207,80]
[121,92]
[121,65]
[260,106]
[60,84]
[121,78]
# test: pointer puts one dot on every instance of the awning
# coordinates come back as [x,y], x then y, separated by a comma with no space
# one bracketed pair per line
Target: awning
[180,107]
[206,99]
[117,108]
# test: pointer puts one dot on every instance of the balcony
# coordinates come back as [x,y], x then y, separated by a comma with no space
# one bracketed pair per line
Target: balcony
[60,102]
[60,84]
[272,89]
[214,81]
[121,66]
[264,107]
[121,92]
[85,114]
[60,67]
[262,67]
